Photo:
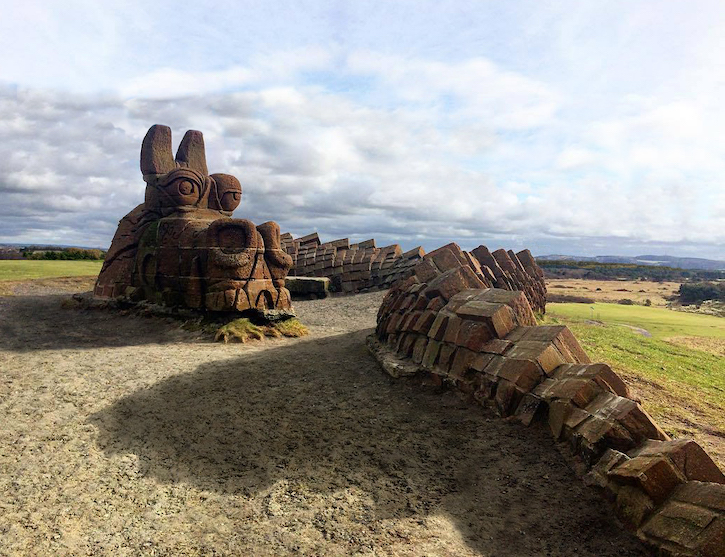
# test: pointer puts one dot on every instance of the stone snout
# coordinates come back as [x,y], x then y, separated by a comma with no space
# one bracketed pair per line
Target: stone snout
[216,265]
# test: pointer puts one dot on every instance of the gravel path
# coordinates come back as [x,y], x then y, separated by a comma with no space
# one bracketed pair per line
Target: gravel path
[123,435]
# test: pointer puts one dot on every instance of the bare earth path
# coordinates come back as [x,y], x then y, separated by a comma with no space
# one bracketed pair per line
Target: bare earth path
[128,436]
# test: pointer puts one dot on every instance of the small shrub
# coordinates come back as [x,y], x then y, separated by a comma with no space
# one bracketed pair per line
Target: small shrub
[568,299]
[626,302]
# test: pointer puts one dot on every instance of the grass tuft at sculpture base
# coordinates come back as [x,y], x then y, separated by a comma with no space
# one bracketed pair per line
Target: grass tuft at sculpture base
[243,330]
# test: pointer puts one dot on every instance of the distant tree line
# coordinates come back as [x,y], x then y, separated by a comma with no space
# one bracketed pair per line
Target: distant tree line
[65,254]
[594,270]
[698,292]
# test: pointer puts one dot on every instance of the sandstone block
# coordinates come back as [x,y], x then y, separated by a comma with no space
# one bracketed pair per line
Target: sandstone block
[601,374]
[524,374]
[424,322]
[452,329]
[497,346]
[598,475]
[445,358]
[436,304]
[579,392]
[462,361]
[301,287]
[633,505]
[430,357]
[560,335]
[543,353]
[499,317]
[438,328]
[629,414]
[453,281]
[687,455]
[655,475]
[419,349]
[530,409]
[595,434]
[558,412]
[426,271]
[696,530]
[515,300]
[507,397]
[473,335]
[703,494]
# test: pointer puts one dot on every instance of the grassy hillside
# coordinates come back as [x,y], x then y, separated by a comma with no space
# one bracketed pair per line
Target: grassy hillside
[660,322]
[682,387]
[18,269]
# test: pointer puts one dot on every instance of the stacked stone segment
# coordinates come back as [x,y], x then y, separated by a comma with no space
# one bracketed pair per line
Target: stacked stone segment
[363,266]
[451,324]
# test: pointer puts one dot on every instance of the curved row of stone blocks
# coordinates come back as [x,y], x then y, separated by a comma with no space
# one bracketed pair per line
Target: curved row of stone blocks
[364,266]
[446,324]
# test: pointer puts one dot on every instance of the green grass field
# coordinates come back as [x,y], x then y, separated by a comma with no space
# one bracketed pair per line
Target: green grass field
[660,322]
[683,388]
[18,269]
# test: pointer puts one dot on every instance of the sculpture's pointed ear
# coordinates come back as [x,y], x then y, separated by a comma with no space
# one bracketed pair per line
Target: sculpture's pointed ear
[156,153]
[191,152]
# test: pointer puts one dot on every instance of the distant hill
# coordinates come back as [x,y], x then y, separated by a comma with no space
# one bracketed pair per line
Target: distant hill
[6,245]
[653,260]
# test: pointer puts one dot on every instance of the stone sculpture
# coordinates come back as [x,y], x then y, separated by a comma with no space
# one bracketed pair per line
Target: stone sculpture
[363,266]
[181,247]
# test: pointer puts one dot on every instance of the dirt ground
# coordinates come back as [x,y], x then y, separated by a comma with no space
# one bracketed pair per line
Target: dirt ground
[124,435]
[611,291]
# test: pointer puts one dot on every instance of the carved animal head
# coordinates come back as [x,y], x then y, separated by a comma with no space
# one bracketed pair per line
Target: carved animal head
[183,183]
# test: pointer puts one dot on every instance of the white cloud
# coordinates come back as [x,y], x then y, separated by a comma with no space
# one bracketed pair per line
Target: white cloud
[574,124]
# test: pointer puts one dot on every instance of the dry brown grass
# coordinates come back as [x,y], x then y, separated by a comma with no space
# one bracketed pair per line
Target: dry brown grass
[712,345]
[611,291]
[46,285]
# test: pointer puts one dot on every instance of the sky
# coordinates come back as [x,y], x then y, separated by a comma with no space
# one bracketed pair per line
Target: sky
[574,127]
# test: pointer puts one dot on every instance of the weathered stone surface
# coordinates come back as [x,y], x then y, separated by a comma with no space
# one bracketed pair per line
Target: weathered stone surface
[516,300]
[453,281]
[687,455]
[529,409]
[704,494]
[687,529]
[499,318]
[601,374]
[363,266]
[543,353]
[473,335]
[628,413]
[181,247]
[656,475]
[579,392]
[633,505]
[559,335]
[598,475]
[302,287]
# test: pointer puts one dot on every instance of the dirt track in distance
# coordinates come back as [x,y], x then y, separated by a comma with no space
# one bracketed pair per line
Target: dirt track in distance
[124,435]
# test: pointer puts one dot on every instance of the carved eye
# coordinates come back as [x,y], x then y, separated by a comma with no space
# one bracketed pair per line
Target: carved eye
[230,200]
[185,187]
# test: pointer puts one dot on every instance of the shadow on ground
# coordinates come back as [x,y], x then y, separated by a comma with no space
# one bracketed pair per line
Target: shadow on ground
[319,413]
[29,323]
